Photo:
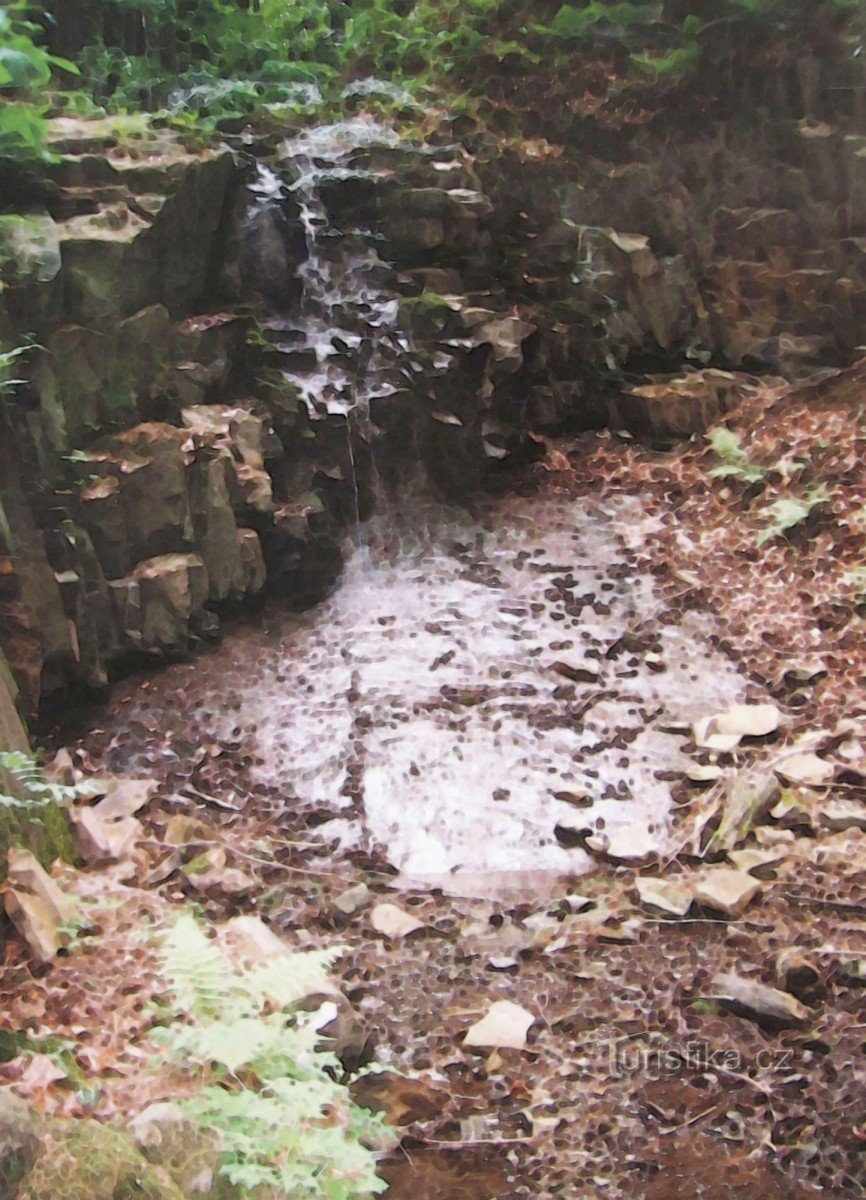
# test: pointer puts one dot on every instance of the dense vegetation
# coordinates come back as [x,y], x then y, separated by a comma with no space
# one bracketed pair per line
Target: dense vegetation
[212,60]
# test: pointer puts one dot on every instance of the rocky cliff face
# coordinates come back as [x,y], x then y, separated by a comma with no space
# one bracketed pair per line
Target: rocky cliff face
[137,494]
[171,456]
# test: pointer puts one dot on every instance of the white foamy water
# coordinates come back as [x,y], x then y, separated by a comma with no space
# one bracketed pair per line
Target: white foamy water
[338,273]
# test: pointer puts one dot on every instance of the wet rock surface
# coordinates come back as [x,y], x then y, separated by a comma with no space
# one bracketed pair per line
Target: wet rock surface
[431,675]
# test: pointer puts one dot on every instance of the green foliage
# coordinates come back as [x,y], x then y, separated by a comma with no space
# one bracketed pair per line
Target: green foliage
[270,1094]
[735,463]
[8,359]
[673,63]
[25,69]
[30,810]
[34,792]
[215,60]
[572,23]
[783,514]
[788,512]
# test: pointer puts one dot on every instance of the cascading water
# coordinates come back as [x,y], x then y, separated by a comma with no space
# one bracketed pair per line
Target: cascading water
[341,341]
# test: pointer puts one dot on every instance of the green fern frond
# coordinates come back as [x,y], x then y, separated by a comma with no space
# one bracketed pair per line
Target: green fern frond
[283,982]
[286,1127]
[34,791]
[200,976]
[787,512]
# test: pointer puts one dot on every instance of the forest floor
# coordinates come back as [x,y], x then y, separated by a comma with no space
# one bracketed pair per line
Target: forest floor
[642,1074]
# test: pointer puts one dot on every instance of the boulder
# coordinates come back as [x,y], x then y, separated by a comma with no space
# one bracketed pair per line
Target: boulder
[241,433]
[726,891]
[756,1000]
[352,900]
[36,906]
[75,378]
[252,561]
[169,1138]
[211,343]
[87,602]
[48,837]
[157,248]
[13,735]
[83,1158]
[143,358]
[123,797]
[669,896]
[100,840]
[679,406]
[158,604]
[20,1143]
[140,505]
[23,559]
[216,531]
[29,248]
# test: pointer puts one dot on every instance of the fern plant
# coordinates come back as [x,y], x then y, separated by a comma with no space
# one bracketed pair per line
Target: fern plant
[34,792]
[8,358]
[284,1124]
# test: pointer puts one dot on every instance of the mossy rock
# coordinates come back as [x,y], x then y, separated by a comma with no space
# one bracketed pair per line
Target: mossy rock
[85,1159]
[427,315]
[29,248]
[45,831]
[19,1143]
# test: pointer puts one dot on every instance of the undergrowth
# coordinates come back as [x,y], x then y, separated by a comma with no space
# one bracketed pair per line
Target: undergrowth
[269,1090]
[786,513]
[216,60]
[32,791]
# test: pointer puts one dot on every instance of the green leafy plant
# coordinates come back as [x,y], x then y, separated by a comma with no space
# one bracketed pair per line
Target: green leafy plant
[25,69]
[8,359]
[671,63]
[788,512]
[270,1092]
[735,463]
[32,790]
[219,59]
[571,22]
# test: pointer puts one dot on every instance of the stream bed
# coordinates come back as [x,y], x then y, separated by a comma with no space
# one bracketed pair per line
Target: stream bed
[479,692]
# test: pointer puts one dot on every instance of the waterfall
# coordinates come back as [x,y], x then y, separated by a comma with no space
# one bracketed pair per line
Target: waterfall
[340,341]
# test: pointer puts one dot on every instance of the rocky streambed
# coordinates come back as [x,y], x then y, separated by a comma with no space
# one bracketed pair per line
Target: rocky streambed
[482,689]
[688,1004]
[584,740]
